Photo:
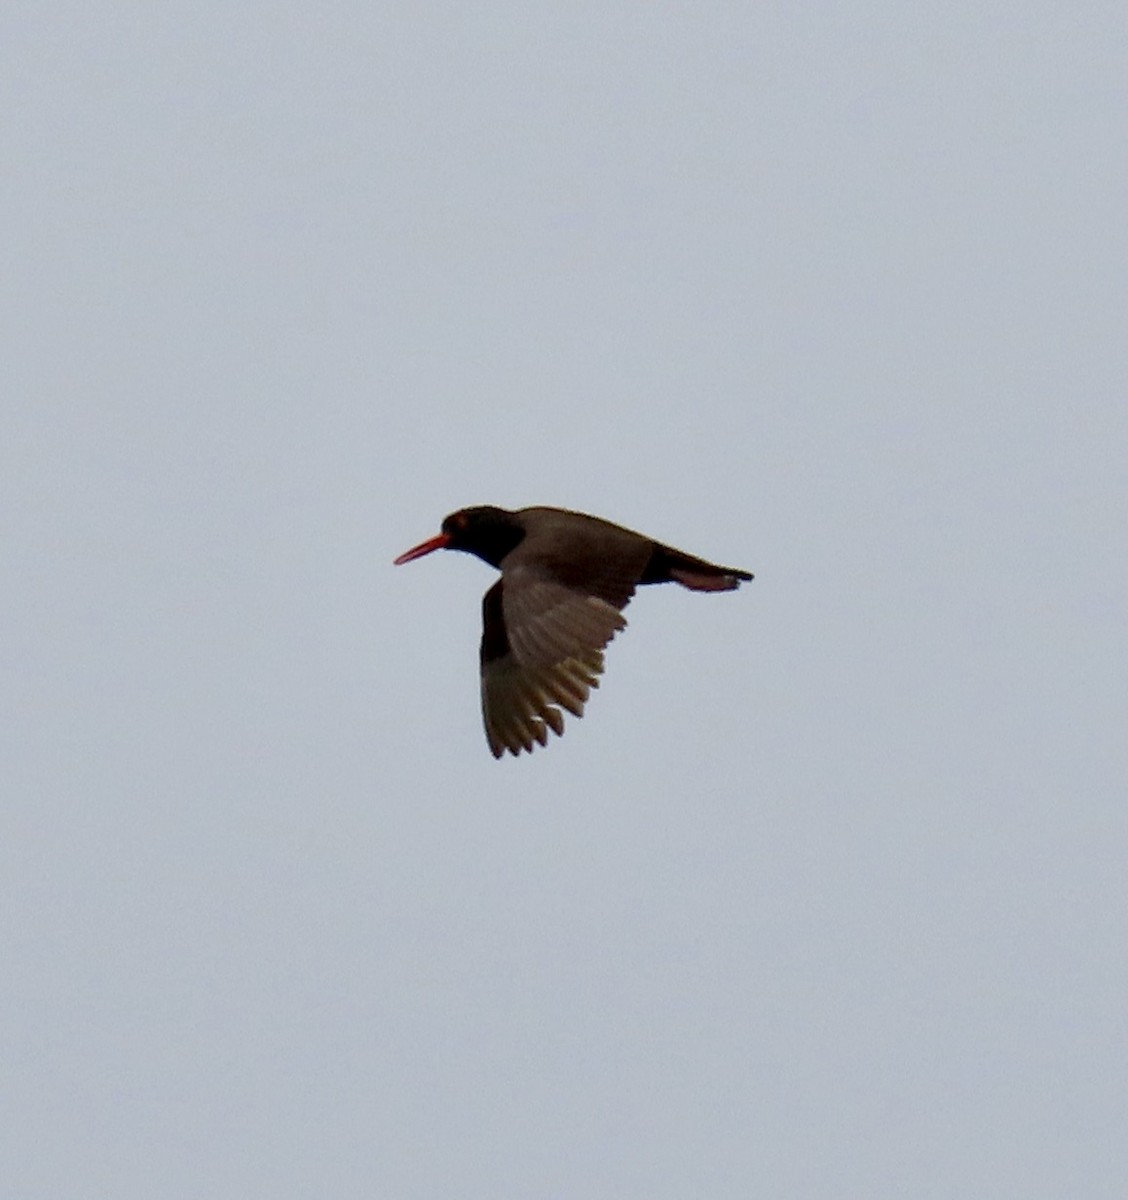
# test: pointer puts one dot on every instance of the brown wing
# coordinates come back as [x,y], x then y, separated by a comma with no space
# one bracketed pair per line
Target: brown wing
[542,650]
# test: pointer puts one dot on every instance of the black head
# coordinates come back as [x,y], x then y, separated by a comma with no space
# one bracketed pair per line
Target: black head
[486,531]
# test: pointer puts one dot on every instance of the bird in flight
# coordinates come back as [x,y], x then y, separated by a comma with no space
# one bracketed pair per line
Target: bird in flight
[565,579]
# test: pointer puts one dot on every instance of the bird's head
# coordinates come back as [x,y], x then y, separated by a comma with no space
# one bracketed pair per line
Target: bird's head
[484,530]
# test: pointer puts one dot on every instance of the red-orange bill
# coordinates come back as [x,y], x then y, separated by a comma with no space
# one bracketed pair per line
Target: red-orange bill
[435,543]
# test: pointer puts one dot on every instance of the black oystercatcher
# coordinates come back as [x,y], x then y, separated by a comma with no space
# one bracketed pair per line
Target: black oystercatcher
[565,577]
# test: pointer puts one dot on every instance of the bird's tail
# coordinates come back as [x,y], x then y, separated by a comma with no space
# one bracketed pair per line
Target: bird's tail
[668,565]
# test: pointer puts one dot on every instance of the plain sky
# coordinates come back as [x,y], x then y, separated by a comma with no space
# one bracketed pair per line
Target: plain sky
[827,894]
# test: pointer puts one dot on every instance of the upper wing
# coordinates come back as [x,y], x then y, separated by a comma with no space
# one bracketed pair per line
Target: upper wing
[542,646]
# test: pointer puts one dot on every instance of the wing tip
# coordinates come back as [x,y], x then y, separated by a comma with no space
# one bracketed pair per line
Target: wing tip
[524,733]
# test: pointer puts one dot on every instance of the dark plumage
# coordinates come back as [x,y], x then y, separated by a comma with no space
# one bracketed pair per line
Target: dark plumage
[565,577]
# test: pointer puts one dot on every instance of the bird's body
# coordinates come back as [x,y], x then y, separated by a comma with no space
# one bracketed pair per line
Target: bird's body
[565,578]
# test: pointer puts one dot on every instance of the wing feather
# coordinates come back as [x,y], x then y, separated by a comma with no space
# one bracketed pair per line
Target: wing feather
[542,647]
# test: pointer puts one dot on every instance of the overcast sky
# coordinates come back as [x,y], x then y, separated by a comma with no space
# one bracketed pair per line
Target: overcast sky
[826,896]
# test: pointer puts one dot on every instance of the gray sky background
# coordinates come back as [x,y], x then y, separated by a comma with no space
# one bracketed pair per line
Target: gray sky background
[826,896]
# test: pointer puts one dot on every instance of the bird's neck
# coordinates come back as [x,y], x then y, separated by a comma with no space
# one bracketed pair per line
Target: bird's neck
[493,544]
